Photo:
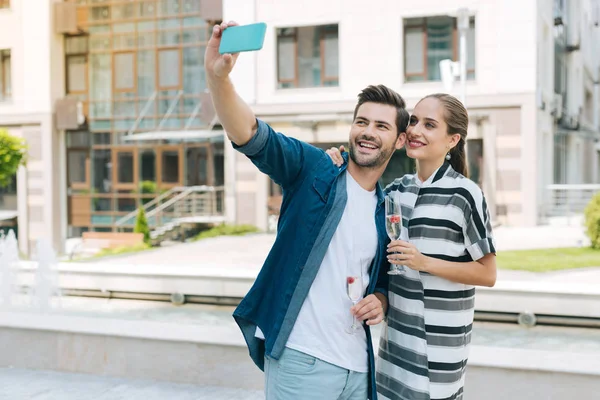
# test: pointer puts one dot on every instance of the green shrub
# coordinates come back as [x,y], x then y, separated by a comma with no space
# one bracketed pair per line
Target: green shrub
[13,154]
[592,221]
[148,187]
[141,225]
[226,230]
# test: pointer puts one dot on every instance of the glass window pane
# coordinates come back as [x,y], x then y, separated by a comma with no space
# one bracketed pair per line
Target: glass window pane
[475,160]
[169,38]
[471,47]
[309,57]
[331,48]
[101,138]
[76,45]
[124,41]
[125,167]
[146,74]
[124,71]
[124,27]
[147,8]
[126,204]
[196,21]
[191,6]
[439,44]
[100,77]
[124,109]
[286,58]
[169,68]
[101,204]
[219,163]
[194,80]
[170,166]
[102,170]
[170,23]
[413,51]
[99,14]
[5,75]
[197,166]
[78,139]
[100,43]
[123,11]
[168,7]
[76,74]
[147,169]
[76,166]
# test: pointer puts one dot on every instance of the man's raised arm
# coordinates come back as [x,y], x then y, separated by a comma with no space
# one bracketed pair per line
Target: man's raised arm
[285,160]
[235,115]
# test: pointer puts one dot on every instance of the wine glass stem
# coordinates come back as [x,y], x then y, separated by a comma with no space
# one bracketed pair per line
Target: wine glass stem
[354,320]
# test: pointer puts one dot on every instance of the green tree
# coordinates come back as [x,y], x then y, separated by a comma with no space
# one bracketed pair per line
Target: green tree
[592,221]
[13,154]
[141,225]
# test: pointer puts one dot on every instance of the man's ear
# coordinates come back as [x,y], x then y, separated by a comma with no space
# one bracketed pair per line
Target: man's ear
[401,140]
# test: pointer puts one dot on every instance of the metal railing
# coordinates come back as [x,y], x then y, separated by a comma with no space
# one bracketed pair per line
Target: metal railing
[568,201]
[189,202]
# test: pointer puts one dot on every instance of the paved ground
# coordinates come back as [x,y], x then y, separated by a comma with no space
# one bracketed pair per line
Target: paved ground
[251,250]
[19,384]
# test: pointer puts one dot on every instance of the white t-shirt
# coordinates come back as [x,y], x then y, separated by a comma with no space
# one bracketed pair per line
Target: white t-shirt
[325,314]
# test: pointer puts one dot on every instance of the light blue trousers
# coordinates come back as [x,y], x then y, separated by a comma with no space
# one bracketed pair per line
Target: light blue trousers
[299,376]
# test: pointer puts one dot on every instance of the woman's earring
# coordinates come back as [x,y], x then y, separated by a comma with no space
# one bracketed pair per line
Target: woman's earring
[448,156]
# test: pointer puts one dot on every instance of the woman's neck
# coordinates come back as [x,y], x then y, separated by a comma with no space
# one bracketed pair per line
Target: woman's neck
[426,168]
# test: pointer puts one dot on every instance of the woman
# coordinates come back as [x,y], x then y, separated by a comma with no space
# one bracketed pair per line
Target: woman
[425,344]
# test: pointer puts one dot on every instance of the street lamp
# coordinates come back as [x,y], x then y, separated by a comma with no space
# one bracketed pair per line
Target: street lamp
[449,70]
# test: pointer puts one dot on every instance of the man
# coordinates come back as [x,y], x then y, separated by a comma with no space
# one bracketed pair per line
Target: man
[331,234]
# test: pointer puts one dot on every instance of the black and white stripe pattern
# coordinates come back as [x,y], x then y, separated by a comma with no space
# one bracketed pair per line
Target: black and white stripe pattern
[425,344]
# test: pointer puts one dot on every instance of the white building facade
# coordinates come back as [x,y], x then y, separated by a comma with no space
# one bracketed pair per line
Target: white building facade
[318,55]
[32,79]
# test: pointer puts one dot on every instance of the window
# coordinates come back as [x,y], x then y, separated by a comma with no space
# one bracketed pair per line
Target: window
[475,160]
[4,4]
[427,41]
[5,76]
[169,69]
[307,57]
[124,67]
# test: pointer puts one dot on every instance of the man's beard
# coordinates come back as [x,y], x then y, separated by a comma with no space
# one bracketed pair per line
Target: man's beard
[375,162]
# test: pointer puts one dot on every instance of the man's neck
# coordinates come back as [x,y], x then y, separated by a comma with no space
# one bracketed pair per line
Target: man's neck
[366,177]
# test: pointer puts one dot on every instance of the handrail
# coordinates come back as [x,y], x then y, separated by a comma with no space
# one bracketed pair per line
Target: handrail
[170,110]
[169,203]
[132,214]
[184,192]
[142,113]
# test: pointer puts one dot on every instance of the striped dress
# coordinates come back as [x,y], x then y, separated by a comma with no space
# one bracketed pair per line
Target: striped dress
[424,345]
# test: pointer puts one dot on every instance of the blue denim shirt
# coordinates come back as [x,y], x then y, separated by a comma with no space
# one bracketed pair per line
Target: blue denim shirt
[314,198]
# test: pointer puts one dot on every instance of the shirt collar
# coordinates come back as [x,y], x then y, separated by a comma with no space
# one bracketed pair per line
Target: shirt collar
[436,176]
[378,189]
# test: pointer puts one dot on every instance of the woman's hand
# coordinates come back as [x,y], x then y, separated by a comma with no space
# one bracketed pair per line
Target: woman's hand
[405,253]
[336,155]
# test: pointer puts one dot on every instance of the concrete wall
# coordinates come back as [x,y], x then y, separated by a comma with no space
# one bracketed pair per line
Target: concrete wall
[226,365]
[502,384]
[184,362]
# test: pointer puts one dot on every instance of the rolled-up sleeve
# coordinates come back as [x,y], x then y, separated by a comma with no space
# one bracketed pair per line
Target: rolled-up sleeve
[477,229]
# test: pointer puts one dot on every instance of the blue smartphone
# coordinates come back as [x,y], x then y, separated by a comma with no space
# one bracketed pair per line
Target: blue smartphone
[243,38]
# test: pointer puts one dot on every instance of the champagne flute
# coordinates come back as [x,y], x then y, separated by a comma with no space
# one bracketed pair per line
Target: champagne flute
[354,288]
[393,226]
